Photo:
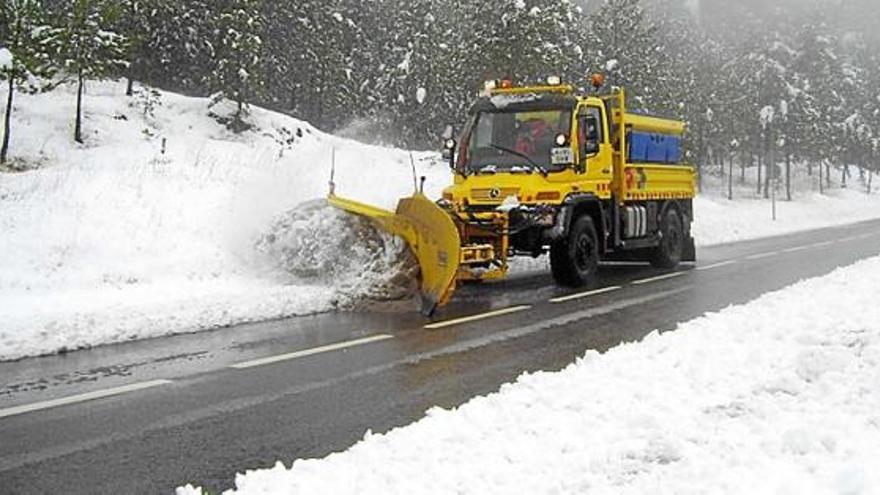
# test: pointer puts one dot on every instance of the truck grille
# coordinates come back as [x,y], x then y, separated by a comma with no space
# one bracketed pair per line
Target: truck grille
[487,194]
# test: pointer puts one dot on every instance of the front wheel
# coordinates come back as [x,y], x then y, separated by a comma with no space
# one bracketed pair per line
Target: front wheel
[668,253]
[575,259]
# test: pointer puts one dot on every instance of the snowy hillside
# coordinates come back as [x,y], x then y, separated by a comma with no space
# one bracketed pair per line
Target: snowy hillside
[116,239]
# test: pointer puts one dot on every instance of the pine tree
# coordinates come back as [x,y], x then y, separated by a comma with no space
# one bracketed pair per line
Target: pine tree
[627,47]
[86,48]
[238,45]
[22,52]
[139,22]
[819,67]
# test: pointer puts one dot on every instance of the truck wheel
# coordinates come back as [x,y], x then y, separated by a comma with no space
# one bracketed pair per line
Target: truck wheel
[575,259]
[668,253]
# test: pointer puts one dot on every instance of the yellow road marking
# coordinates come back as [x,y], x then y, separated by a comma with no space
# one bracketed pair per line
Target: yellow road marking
[582,295]
[310,352]
[483,316]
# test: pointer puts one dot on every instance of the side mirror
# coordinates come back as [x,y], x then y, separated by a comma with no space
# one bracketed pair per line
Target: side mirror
[449,146]
[590,132]
[591,147]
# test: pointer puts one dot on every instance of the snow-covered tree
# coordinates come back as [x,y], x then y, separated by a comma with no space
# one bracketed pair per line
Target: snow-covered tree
[141,23]
[819,67]
[23,54]
[412,66]
[85,47]
[238,52]
[625,44]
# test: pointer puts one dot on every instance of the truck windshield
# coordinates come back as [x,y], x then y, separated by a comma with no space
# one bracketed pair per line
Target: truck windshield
[510,141]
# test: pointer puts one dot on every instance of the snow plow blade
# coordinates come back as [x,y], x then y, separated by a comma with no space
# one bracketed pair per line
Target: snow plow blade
[431,235]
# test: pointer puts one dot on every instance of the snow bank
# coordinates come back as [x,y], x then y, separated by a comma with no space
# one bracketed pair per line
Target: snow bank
[117,240]
[776,396]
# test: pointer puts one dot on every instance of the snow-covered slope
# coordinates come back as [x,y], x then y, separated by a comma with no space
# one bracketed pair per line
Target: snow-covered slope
[116,240]
[776,396]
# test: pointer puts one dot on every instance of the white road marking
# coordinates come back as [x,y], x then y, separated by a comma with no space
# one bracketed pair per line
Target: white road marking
[717,265]
[585,294]
[310,352]
[659,278]
[483,316]
[73,399]
[762,255]
[850,238]
[822,244]
[796,249]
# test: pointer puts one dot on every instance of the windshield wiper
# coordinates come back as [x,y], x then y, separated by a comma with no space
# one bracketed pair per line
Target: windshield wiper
[533,163]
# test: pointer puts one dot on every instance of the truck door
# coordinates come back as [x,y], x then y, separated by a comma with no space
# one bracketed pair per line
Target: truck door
[594,147]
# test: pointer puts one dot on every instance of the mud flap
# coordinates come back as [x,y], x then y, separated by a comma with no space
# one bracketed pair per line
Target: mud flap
[689,250]
[431,235]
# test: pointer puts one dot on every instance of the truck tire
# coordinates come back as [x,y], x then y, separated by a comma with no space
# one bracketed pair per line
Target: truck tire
[574,260]
[668,253]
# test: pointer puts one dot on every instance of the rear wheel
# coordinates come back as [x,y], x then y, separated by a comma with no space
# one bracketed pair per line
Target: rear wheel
[668,253]
[575,259]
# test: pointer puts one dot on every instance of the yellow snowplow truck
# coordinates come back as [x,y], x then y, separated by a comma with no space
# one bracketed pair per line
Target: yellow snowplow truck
[547,169]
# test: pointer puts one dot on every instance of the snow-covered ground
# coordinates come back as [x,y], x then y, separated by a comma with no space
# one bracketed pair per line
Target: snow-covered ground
[779,395]
[748,216]
[115,240]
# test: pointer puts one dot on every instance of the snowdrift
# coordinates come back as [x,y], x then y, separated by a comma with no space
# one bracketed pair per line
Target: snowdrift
[775,396]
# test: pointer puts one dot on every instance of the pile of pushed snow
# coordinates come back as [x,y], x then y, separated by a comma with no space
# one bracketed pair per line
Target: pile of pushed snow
[776,396]
[162,221]
[319,243]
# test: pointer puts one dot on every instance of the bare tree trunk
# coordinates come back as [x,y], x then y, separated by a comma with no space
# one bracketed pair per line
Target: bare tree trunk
[827,174]
[77,132]
[788,176]
[242,94]
[7,121]
[821,184]
[129,89]
[810,168]
[843,176]
[760,164]
[870,179]
[699,165]
[769,159]
[730,178]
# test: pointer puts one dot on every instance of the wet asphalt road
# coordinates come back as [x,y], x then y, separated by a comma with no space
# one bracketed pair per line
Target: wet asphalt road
[202,419]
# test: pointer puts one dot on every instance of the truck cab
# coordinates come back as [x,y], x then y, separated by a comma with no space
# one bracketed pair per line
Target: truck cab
[535,163]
